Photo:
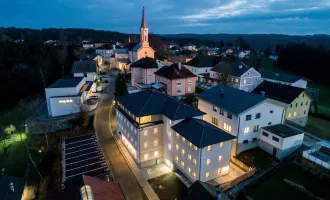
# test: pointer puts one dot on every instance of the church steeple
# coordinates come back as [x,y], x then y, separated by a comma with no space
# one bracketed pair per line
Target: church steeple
[144,30]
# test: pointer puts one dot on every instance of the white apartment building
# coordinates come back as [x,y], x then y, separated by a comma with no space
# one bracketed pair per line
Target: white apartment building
[85,68]
[238,75]
[239,113]
[66,95]
[155,127]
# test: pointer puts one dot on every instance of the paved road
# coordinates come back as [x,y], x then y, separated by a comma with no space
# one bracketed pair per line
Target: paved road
[118,166]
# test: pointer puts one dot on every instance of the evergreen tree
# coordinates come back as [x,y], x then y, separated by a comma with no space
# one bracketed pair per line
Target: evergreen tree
[121,87]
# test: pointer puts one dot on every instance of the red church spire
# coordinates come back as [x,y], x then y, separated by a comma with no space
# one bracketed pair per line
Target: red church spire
[144,20]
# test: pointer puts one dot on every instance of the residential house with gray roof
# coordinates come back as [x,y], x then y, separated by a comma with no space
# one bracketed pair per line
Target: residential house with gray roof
[155,128]
[237,73]
[85,68]
[284,79]
[239,113]
[202,64]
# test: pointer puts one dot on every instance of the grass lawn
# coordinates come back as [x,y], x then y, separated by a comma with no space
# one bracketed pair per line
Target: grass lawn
[255,158]
[319,127]
[168,187]
[275,187]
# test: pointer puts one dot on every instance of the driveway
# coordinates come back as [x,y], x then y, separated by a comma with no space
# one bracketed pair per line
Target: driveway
[118,166]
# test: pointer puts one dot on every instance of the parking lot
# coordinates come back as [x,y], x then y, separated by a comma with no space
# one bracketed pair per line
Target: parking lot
[83,156]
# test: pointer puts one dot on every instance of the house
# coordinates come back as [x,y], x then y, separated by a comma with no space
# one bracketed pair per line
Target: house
[106,51]
[296,100]
[123,64]
[143,71]
[174,50]
[244,54]
[284,79]
[176,79]
[317,160]
[273,57]
[199,190]
[239,113]
[238,75]
[92,56]
[87,44]
[280,140]
[155,128]
[202,64]
[67,95]
[172,44]
[85,68]
[190,47]
[11,188]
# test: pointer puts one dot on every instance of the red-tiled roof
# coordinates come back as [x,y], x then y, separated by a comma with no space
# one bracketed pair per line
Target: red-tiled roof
[173,72]
[103,190]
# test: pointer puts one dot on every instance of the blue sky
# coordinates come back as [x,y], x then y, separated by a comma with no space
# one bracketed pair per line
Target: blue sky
[294,17]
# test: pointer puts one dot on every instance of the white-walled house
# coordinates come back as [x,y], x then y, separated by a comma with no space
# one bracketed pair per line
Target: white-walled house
[284,79]
[202,64]
[106,53]
[66,95]
[239,113]
[238,74]
[143,71]
[83,68]
[280,140]
[158,128]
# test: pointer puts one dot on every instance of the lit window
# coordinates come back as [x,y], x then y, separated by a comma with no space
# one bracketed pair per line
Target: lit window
[207,174]
[220,158]
[215,121]
[169,147]
[215,109]
[294,114]
[189,170]
[145,133]
[189,89]
[182,152]
[170,122]
[176,159]
[256,128]
[221,144]
[145,145]
[177,147]
[195,148]
[146,156]
[190,144]
[155,130]
[177,135]
[189,156]
[183,139]
[208,162]
[189,81]
[209,148]
[227,127]
[195,161]
[65,101]
[155,153]
[236,80]
[155,142]
[194,175]
[219,170]
[289,115]
[169,134]
[182,164]
[244,81]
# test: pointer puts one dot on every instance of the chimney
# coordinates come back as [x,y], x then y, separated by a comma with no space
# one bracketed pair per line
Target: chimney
[114,47]
[222,93]
[262,93]
[179,65]
[218,195]
[11,186]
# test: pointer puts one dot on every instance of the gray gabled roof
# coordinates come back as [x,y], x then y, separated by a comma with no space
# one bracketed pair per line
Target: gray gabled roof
[204,61]
[149,102]
[66,82]
[201,133]
[145,63]
[88,56]
[231,99]
[84,66]
[280,77]
[233,68]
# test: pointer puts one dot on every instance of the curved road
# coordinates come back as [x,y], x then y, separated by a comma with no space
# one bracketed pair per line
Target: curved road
[118,166]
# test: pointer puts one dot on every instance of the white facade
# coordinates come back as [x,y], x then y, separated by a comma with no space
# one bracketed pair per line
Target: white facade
[190,47]
[277,145]
[106,53]
[199,70]
[90,76]
[64,101]
[247,131]
[247,81]
[301,83]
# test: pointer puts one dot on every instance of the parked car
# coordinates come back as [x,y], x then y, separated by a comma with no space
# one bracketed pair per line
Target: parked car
[93,97]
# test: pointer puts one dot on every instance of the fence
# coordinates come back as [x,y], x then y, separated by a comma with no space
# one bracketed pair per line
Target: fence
[239,179]
[240,164]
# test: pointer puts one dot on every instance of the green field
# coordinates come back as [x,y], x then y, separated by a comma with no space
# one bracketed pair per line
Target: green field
[275,188]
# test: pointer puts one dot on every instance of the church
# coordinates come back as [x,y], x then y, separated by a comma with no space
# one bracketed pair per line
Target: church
[133,52]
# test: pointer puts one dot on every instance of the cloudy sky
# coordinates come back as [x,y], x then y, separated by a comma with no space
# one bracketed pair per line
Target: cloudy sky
[294,17]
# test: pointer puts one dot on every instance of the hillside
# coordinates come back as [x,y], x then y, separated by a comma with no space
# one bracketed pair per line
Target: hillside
[258,41]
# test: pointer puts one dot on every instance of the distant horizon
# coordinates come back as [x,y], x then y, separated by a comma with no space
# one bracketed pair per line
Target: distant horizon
[187,33]
[287,17]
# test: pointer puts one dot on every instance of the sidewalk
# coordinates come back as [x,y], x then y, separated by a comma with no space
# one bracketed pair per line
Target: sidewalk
[146,187]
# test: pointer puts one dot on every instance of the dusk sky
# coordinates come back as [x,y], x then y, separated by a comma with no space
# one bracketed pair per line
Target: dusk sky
[294,17]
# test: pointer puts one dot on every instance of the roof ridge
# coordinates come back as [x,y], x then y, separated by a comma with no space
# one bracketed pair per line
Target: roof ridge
[200,142]
[176,110]
[146,102]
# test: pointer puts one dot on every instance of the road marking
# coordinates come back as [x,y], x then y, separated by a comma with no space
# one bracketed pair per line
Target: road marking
[83,155]
[85,165]
[81,150]
[85,172]
[86,159]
